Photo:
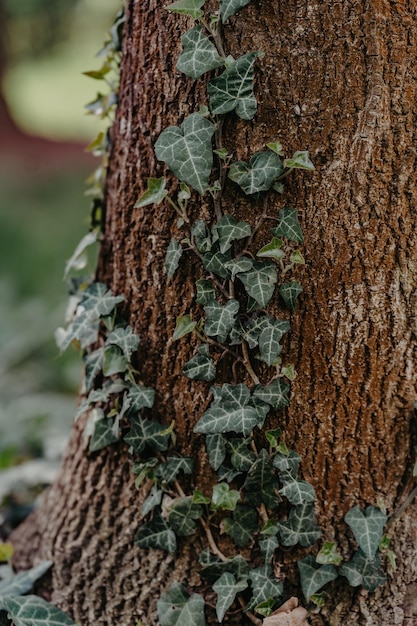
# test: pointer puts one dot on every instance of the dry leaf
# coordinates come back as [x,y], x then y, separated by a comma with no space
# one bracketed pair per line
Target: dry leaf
[289,614]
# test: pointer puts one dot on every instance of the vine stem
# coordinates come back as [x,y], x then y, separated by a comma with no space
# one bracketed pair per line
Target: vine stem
[249,615]
[402,508]
[248,364]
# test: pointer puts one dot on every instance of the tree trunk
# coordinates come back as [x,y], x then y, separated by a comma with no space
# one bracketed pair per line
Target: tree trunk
[339,80]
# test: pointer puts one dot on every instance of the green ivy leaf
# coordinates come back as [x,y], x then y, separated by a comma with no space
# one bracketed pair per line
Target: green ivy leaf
[154,499]
[272,250]
[169,470]
[276,147]
[227,230]
[314,576]
[172,259]
[259,283]
[300,527]
[103,434]
[83,329]
[367,527]
[363,571]
[220,319]
[78,260]
[264,586]
[229,8]
[176,607]
[253,328]
[268,547]
[269,343]
[242,525]
[216,263]
[34,611]
[257,175]
[261,484]
[187,150]
[146,433]
[300,160]
[213,569]
[98,301]
[114,361]
[201,236]
[182,513]
[199,497]
[297,258]
[187,7]
[199,55]
[231,412]
[227,588]
[288,225]
[184,326]
[205,291]
[241,458]
[289,292]
[298,491]
[155,193]
[223,498]
[328,554]
[93,365]
[201,366]
[156,534]
[233,90]
[23,582]
[240,265]
[216,450]
[140,397]
[287,464]
[275,394]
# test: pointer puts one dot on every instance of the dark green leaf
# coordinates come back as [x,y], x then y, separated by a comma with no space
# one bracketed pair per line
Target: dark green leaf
[187,7]
[367,527]
[240,265]
[216,263]
[314,576]
[227,230]
[187,150]
[154,499]
[261,484]
[229,412]
[176,607]
[233,90]
[140,397]
[259,283]
[272,250]
[154,193]
[104,434]
[300,527]
[23,582]
[258,174]
[229,8]
[242,525]
[241,458]
[264,586]
[184,326]
[363,571]
[182,513]
[287,464]
[224,498]
[205,291]
[289,292]
[114,361]
[216,450]
[213,569]
[34,611]
[220,319]
[288,225]
[201,366]
[199,55]
[169,470]
[146,433]
[227,587]
[268,547]
[93,365]
[275,394]
[172,258]
[99,301]
[201,236]
[156,534]
[298,491]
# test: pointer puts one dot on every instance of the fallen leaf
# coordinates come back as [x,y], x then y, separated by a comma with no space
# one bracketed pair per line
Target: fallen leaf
[289,614]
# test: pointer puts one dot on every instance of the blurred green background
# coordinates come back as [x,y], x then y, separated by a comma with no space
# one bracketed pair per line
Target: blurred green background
[45,45]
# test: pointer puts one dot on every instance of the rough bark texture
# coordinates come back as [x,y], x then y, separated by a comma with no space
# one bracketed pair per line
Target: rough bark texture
[339,79]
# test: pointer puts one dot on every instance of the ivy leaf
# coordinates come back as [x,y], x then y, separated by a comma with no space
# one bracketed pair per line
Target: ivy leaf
[83,329]
[233,90]
[172,259]
[187,150]
[227,587]
[231,412]
[259,283]
[268,547]
[269,343]
[314,576]
[220,319]
[114,361]
[140,397]
[275,394]
[154,193]
[298,491]
[156,534]
[272,250]
[154,499]
[205,291]
[23,582]
[254,327]
[213,569]
[328,554]
[288,225]
[98,301]
[261,484]
[177,608]
[300,160]
[79,260]
[103,434]
[241,458]
[363,571]
[34,611]
[227,230]
[216,450]
[183,326]
[300,527]
[125,339]
[257,175]
[227,473]
[367,527]
[240,265]
[216,263]
[181,515]
[187,7]
[242,525]
[264,586]
[287,464]
[169,470]
[289,292]
[229,8]
[223,498]
[201,236]
[93,365]
[201,366]
[199,55]
[146,433]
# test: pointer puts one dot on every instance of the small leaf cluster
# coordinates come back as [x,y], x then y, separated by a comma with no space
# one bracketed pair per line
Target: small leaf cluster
[26,610]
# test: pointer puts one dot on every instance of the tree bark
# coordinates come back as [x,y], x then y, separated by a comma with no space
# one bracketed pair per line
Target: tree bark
[338,79]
